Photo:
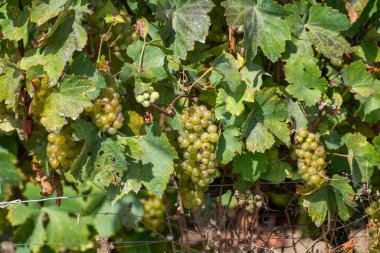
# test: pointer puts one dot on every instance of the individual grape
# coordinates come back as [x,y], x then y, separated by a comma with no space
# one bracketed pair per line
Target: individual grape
[146,103]
[311,157]
[107,111]
[61,149]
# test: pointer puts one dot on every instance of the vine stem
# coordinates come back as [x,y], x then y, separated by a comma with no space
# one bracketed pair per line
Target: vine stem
[232,40]
[141,57]
[102,39]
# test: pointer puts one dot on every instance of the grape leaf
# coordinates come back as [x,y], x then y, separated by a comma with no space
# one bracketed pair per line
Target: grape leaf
[83,165]
[269,111]
[14,26]
[149,58]
[8,173]
[60,223]
[229,144]
[343,196]
[128,211]
[358,79]
[366,89]
[187,20]
[305,78]
[276,172]
[234,100]
[317,205]
[226,65]
[33,219]
[8,122]
[69,100]
[42,10]
[66,36]
[295,111]
[250,166]
[263,25]
[10,77]
[110,163]
[319,25]
[260,139]
[363,157]
[157,160]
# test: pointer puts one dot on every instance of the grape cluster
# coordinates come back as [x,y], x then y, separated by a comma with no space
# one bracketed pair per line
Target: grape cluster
[148,98]
[123,34]
[311,157]
[62,150]
[373,211]
[154,212]
[106,111]
[198,167]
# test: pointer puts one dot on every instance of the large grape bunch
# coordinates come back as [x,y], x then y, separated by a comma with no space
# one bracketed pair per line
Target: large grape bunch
[199,165]
[62,150]
[107,111]
[373,212]
[311,157]
[154,212]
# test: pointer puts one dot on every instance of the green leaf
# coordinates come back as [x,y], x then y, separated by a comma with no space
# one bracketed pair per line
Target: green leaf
[187,20]
[366,89]
[149,58]
[270,112]
[358,79]
[110,163]
[295,111]
[83,166]
[8,173]
[229,68]
[234,100]
[260,139]
[10,77]
[8,122]
[317,205]
[319,25]
[305,78]
[229,145]
[128,211]
[65,37]
[68,101]
[276,172]
[157,160]
[343,196]
[44,10]
[363,157]
[15,25]
[250,166]
[63,228]
[263,25]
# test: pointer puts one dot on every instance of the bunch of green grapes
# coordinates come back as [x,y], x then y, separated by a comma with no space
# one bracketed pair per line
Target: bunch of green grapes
[154,212]
[123,34]
[192,195]
[373,211]
[311,157]
[62,150]
[107,111]
[198,143]
[148,98]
